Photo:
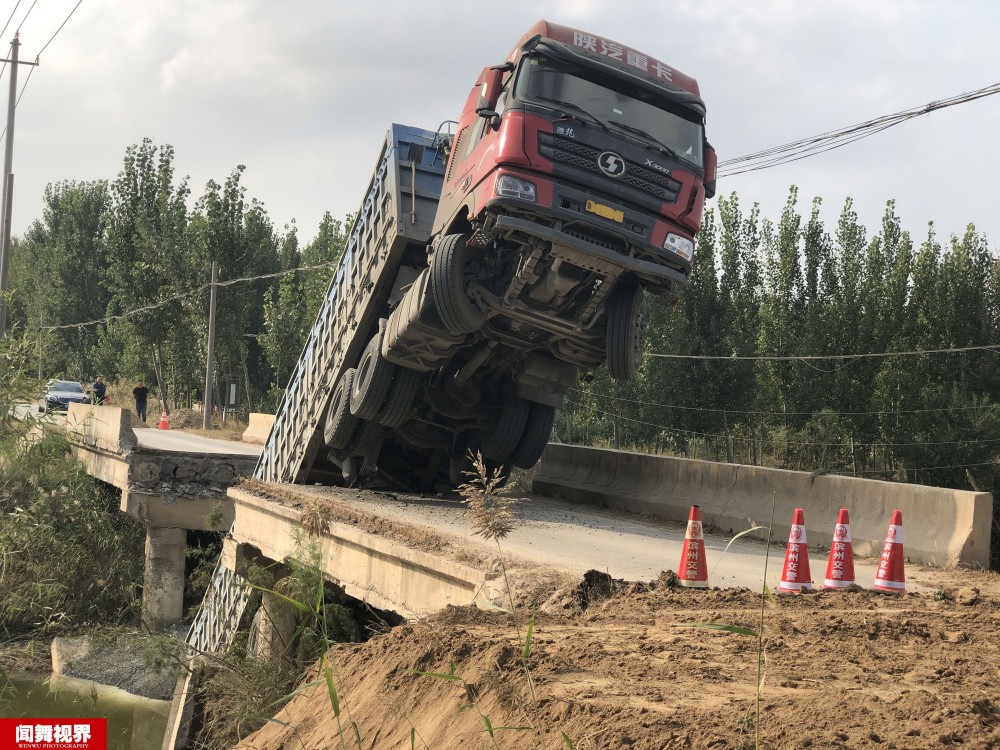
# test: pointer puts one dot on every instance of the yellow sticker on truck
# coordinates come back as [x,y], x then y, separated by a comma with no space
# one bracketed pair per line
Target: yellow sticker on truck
[606,211]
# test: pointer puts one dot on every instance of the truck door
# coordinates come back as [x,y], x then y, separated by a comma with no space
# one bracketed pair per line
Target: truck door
[473,158]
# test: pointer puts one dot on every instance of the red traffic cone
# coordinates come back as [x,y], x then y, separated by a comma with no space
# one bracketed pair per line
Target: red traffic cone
[795,576]
[164,424]
[840,568]
[889,576]
[694,567]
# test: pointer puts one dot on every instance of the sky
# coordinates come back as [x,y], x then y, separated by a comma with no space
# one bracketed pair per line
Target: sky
[301,92]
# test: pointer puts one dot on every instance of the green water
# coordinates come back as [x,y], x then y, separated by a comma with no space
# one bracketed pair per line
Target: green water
[134,723]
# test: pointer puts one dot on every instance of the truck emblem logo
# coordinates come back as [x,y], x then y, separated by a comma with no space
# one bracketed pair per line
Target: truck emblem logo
[611,164]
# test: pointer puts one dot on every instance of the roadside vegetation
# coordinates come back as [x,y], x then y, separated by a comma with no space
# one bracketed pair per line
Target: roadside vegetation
[67,557]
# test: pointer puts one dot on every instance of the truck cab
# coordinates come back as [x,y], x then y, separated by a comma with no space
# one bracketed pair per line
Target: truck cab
[580,168]
[574,185]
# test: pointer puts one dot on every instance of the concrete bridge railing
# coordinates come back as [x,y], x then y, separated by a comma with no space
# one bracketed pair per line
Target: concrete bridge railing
[258,429]
[942,526]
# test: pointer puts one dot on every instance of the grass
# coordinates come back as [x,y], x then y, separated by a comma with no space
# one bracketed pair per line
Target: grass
[53,511]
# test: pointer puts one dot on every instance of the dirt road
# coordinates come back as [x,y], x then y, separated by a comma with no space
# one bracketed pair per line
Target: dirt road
[619,669]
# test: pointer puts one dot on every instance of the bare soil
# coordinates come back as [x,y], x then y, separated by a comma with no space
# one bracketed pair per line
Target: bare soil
[191,421]
[618,665]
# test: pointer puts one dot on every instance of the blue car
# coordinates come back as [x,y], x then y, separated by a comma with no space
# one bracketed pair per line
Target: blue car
[59,394]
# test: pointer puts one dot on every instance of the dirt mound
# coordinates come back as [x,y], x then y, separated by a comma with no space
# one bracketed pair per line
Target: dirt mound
[182,419]
[628,667]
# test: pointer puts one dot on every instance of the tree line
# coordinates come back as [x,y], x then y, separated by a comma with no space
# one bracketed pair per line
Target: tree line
[796,287]
[132,254]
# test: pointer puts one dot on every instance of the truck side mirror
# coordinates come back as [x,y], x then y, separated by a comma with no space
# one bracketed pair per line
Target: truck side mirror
[710,163]
[489,92]
[493,117]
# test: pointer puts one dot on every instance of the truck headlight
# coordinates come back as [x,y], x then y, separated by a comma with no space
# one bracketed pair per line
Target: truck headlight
[680,245]
[514,187]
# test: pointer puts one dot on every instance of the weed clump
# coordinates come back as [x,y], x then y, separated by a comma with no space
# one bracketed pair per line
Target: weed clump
[492,513]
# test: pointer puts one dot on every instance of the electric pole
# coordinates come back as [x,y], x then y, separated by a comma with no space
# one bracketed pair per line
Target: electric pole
[7,199]
[8,184]
[206,401]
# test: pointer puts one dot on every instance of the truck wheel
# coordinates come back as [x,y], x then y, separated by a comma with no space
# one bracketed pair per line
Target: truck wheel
[397,405]
[506,434]
[536,436]
[626,334]
[340,423]
[458,313]
[372,380]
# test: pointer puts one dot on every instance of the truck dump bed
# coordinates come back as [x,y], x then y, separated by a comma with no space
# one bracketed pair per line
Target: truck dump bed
[396,216]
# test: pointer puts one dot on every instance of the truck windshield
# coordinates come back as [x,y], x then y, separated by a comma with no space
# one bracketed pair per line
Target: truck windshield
[610,101]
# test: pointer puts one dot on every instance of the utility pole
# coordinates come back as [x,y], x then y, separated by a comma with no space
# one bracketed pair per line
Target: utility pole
[206,401]
[8,184]
[41,331]
[7,200]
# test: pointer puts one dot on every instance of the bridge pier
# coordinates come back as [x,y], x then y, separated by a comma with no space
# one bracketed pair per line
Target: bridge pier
[168,489]
[163,580]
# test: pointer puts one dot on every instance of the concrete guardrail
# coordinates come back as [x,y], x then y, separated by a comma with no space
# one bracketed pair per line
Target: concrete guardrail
[258,429]
[941,526]
[107,428]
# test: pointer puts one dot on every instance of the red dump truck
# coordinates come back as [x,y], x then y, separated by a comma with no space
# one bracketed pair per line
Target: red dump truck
[487,269]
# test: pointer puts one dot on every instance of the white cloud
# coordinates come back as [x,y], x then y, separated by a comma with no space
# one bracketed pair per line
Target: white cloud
[302,92]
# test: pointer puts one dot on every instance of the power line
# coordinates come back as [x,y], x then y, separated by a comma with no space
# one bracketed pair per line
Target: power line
[181,295]
[819,357]
[773,441]
[832,139]
[717,410]
[60,27]
[732,358]
[923,468]
[23,87]
[26,16]
[39,55]
[11,18]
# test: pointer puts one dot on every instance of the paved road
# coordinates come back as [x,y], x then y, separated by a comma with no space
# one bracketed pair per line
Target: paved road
[577,538]
[156,439]
[178,440]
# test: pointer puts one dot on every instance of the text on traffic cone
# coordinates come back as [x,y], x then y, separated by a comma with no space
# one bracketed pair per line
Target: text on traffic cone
[840,567]
[795,575]
[693,570]
[889,576]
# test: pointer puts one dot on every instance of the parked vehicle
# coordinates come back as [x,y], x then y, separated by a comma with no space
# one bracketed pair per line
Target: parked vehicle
[486,271]
[59,394]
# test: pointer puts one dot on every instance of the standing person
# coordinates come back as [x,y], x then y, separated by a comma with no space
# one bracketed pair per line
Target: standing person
[140,393]
[99,390]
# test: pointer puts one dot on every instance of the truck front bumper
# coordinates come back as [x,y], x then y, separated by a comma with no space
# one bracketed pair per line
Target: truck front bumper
[590,224]
[654,272]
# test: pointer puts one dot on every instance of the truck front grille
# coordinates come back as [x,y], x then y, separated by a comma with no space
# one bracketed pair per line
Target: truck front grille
[593,236]
[584,157]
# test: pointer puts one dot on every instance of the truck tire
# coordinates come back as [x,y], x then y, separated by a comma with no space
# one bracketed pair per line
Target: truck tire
[404,387]
[340,423]
[535,437]
[367,439]
[372,380]
[626,331]
[501,442]
[447,276]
